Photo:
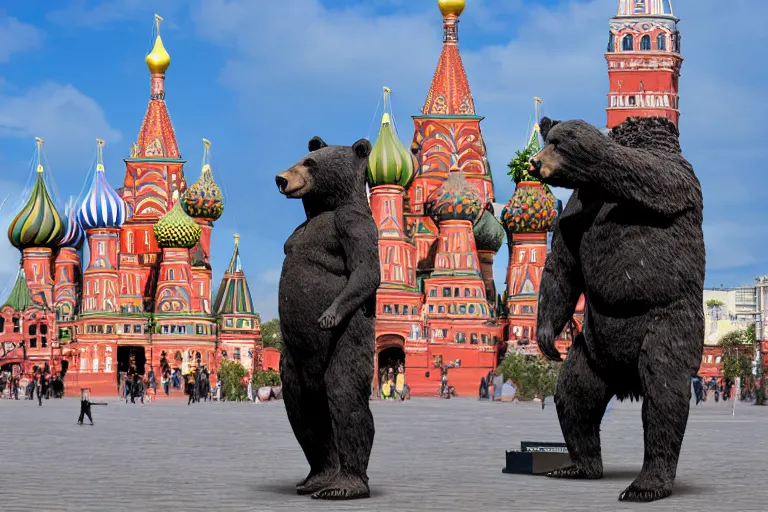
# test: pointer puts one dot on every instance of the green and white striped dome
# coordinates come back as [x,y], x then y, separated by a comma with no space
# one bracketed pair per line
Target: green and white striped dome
[390,163]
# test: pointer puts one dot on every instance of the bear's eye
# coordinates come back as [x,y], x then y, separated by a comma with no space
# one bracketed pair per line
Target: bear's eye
[309,162]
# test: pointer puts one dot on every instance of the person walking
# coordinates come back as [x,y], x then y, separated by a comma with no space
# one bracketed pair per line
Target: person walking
[85,406]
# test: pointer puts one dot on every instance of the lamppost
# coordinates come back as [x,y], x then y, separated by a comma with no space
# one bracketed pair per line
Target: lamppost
[151,326]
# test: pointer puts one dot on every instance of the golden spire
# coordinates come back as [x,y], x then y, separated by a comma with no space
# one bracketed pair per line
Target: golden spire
[237,240]
[536,103]
[100,155]
[39,144]
[158,59]
[385,118]
[454,7]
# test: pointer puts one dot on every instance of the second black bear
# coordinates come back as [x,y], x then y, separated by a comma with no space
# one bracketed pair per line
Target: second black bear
[630,239]
[326,305]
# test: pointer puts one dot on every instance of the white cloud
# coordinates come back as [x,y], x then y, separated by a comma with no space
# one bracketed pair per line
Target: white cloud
[306,63]
[104,14]
[16,37]
[65,118]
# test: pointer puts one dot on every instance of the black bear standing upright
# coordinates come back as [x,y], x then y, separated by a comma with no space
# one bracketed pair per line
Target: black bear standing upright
[326,305]
[630,239]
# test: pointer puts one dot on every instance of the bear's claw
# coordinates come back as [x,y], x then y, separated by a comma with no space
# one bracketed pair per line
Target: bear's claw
[634,493]
[575,473]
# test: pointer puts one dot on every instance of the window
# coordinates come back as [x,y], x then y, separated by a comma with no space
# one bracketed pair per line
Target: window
[484,339]
[236,355]
[101,247]
[452,309]
[645,43]
[433,292]
[165,328]
[43,341]
[611,42]
[520,256]
[127,328]
[129,242]
[533,255]
[32,342]
[446,292]
[146,237]
[466,292]
[661,42]
[32,330]
[431,308]
[397,309]
[199,329]
[405,309]
[460,337]
[473,339]
[463,309]
[525,332]
[16,326]
[627,44]
[137,329]
[108,364]
[2,324]
[387,309]
[228,322]
[717,359]
[110,329]
[456,292]
[95,364]
[472,309]
[170,274]
[441,309]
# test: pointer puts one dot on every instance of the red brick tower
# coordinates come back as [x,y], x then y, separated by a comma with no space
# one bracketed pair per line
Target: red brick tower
[154,181]
[68,271]
[528,217]
[643,61]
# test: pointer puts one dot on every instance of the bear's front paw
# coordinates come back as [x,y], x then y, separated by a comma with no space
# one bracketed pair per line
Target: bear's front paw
[545,340]
[329,319]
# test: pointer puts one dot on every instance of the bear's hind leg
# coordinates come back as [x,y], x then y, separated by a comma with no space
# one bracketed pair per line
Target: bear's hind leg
[348,381]
[308,414]
[581,399]
[665,378]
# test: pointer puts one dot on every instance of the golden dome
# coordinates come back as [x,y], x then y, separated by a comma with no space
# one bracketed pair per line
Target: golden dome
[158,59]
[455,7]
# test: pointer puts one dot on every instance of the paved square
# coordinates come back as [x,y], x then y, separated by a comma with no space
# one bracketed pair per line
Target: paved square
[429,454]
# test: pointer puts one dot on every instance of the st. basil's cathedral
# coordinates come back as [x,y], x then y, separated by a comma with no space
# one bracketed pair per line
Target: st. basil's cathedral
[147,290]
[144,296]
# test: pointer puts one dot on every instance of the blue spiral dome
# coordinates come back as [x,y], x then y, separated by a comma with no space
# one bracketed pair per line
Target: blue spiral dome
[74,236]
[102,206]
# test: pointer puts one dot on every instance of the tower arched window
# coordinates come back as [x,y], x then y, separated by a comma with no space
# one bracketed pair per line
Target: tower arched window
[611,42]
[661,41]
[645,43]
[627,43]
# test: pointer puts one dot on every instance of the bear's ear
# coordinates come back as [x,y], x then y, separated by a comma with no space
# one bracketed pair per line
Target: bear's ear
[316,143]
[545,125]
[362,148]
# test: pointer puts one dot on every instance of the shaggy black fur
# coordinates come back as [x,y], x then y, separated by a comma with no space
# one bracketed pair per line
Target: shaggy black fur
[631,240]
[326,305]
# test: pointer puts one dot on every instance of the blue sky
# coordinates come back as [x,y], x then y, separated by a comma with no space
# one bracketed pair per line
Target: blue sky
[260,78]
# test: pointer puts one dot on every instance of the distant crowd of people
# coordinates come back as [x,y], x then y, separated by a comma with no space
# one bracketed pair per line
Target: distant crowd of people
[722,389]
[392,385]
[41,384]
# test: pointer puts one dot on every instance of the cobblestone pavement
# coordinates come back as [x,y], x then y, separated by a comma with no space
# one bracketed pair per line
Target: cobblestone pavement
[429,454]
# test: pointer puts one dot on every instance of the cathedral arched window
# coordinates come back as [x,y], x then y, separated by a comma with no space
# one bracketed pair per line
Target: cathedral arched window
[611,42]
[627,43]
[645,43]
[661,41]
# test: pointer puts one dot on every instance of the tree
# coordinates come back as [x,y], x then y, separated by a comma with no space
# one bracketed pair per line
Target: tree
[737,353]
[531,374]
[270,334]
[268,377]
[231,375]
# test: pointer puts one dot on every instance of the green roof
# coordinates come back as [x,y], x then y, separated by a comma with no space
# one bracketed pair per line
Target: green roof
[234,296]
[20,298]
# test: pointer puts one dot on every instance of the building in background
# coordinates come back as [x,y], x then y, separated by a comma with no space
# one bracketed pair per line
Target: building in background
[144,296]
[644,61]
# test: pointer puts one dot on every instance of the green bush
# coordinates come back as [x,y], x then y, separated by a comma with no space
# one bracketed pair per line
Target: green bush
[532,375]
[265,378]
[232,374]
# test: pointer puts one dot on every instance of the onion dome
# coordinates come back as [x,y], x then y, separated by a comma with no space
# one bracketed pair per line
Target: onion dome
[158,59]
[454,7]
[204,200]
[102,207]
[531,209]
[489,233]
[74,235]
[38,224]
[389,163]
[177,230]
[456,199]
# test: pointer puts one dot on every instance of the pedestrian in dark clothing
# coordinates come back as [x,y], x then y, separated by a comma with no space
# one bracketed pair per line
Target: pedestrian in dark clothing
[85,406]
[39,379]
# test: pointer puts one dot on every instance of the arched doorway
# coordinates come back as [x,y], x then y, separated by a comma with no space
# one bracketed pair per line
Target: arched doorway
[388,358]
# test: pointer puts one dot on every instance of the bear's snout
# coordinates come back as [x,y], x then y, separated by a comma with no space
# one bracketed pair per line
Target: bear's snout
[282,183]
[534,168]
